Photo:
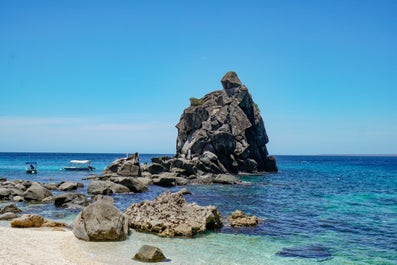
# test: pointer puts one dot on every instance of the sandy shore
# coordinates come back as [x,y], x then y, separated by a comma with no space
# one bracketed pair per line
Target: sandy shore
[40,246]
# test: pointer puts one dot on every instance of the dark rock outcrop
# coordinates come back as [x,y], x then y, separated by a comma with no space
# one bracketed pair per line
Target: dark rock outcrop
[170,215]
[101,221]
[149,254]
[228,126]
[71,200]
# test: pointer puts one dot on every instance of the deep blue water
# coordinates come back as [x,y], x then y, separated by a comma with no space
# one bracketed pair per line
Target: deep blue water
[333,209]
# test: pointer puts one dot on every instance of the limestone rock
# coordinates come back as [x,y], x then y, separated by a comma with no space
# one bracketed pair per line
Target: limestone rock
[170,215]
[101,221]
[28,220]
[149,254]
[239,219]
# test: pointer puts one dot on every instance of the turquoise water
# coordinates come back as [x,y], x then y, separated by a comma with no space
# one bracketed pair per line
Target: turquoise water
[317,209]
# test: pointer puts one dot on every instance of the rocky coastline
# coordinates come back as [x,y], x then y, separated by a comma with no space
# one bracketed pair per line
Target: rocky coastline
[220,136]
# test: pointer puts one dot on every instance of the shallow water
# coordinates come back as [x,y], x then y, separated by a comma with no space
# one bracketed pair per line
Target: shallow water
[328,209]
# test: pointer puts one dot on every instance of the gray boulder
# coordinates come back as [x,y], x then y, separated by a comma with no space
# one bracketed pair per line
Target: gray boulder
[71,200]
[101,221]
[69,186]
[226,179]
[149,254]
[8,216]
[36,193]
[10,208]
[133,184]
[170,215]
[106,187]
[127,167]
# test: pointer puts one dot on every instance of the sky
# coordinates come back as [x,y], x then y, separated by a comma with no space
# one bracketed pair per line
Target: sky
[115,76]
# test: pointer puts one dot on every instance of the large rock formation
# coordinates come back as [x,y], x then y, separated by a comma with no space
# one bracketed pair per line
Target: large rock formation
[225,126]
[170,215]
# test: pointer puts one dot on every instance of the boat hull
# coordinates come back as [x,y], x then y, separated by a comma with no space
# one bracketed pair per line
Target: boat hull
[78,168]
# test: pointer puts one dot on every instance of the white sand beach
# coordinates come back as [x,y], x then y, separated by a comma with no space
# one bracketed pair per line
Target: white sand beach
[41,246]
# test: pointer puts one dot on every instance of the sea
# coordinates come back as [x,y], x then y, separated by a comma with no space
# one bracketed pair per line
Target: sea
[315,210]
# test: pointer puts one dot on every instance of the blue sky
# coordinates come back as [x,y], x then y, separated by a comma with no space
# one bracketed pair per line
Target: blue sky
[115,76]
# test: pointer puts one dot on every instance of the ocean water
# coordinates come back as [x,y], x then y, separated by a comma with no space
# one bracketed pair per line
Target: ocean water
[315,210]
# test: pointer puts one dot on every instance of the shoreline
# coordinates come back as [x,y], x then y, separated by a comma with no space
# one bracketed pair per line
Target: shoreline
[41,246]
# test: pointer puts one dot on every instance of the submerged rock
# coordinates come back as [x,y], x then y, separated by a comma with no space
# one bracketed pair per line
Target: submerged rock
[170,215]
[309,252]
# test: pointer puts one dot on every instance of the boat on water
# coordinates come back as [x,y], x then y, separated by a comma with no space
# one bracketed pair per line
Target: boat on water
[79,165]
[31,167]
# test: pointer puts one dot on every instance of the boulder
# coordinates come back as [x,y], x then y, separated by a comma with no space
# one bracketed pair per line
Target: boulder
[71,200]
[10,208]
[149,254]
[36,193]
[127,167]
[101,221]
[133,184]
[239,219]
[28,220]
[170,215]
[69,186]
[226,179]
[106,187]
[8,216]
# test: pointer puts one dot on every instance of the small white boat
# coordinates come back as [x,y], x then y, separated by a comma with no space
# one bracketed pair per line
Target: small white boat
[79,165]
[31,168]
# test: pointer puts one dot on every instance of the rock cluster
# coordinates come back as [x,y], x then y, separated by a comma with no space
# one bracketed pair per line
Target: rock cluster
[122,176]
[9,212]
[170,215]
[23,190]
[124,167]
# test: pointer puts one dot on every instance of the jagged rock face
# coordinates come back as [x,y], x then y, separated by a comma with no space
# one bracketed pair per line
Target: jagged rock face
[228,124]
[171,215]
